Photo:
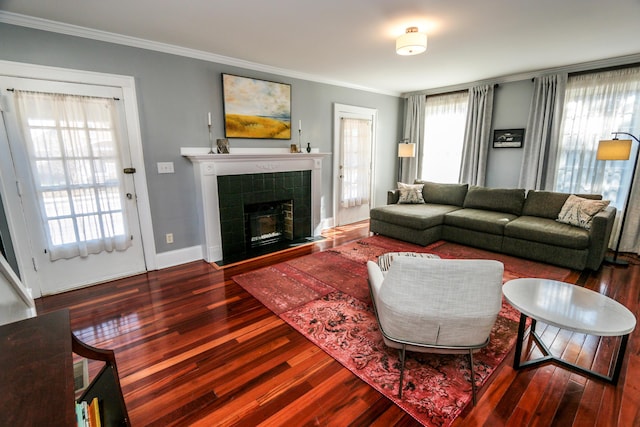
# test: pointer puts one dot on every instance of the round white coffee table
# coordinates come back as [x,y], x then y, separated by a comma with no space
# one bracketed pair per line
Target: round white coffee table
[569,307]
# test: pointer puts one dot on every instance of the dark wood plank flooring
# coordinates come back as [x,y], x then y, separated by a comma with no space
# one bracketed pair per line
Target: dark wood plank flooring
[194,348]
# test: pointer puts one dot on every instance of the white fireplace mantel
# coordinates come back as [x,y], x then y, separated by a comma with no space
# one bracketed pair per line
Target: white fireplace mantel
[207,167]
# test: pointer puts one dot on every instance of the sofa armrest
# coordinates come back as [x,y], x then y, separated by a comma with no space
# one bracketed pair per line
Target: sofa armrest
[393,196]
[599,236]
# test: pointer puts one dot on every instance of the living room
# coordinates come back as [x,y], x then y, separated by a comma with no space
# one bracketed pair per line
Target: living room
[176,91]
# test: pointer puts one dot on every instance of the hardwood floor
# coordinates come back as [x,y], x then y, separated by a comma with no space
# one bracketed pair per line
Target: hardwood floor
[194,348]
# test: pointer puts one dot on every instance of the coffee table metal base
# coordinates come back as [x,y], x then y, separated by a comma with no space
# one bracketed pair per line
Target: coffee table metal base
[550,358]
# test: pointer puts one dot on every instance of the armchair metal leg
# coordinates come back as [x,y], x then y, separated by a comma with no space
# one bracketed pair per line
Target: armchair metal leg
[402,356]
[473,377]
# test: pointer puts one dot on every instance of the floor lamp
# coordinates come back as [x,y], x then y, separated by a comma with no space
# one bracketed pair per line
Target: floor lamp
[405,149]
[618,149]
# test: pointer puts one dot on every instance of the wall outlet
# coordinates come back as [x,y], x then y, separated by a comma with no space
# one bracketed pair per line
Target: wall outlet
[169,237]
[165,167]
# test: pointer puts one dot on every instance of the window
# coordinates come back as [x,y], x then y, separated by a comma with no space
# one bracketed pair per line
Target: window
[445,118]
[597,104]
[356,161]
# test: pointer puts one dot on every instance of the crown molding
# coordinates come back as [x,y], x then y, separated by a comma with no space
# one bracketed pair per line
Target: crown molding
[573,68]
[105,36]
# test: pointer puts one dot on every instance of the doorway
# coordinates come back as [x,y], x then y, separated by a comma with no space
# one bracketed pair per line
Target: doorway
[354,141]
[77,213]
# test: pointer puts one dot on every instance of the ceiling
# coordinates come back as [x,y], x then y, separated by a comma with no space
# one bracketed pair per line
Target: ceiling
[352,42]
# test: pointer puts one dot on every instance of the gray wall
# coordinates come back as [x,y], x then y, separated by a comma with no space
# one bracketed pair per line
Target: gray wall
[174,95]
[511,105]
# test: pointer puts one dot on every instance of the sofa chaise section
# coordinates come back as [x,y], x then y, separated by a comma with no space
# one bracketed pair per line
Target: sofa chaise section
[420,224]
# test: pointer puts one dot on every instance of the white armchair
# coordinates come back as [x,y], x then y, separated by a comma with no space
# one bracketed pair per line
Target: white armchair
[435,305]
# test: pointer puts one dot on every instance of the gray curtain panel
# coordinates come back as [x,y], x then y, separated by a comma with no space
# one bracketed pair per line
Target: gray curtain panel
[477,135]
[414,131]
[543,132]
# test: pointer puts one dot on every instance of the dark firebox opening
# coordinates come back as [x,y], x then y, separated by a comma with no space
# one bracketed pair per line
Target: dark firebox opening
[267,223]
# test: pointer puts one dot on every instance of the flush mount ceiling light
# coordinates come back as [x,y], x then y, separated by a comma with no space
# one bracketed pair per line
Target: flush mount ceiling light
[411,43]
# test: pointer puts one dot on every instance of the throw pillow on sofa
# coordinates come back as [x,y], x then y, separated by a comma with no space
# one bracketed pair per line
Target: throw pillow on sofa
[548,204]
[579,211]
[410,193]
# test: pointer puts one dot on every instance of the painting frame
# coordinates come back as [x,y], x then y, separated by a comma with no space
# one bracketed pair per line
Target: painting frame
[508,138]
[255,108]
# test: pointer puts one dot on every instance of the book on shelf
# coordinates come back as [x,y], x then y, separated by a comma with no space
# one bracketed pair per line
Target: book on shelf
[88,414]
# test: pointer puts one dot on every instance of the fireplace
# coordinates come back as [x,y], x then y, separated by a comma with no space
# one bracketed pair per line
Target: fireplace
[253,210]
[226,183]
[268,223]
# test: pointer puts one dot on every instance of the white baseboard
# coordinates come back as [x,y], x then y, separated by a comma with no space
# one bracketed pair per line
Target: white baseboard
[326,223]
[179,256]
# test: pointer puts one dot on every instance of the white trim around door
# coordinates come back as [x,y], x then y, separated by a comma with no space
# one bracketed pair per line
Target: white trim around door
[126,84]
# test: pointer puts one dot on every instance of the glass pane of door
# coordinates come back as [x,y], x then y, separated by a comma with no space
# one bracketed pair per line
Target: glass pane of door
[72,144]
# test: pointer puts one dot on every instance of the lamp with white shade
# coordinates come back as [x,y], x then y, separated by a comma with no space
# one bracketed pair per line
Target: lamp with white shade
[405,149]
[618,149]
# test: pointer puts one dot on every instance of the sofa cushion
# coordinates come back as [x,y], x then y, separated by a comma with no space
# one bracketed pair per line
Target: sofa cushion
[479,220]
[548,231]
[495,199]
[579,211]
[410,193]
[443,194]
[418,217]
[547,204]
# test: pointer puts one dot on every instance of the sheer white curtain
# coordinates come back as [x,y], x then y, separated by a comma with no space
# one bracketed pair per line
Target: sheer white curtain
[356,155]
[445,117]
[597,104]
[75,163]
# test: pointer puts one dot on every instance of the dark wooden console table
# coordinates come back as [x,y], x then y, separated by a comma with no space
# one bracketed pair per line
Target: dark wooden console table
[36,375]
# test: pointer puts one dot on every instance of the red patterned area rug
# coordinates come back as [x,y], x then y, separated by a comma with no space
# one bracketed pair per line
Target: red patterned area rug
[325,297]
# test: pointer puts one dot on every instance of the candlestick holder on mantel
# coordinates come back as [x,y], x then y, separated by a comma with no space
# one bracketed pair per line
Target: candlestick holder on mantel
[210,140]
[210,134]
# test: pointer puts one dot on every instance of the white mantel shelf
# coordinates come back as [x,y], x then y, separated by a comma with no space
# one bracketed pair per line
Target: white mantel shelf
[203,154]
[241,161]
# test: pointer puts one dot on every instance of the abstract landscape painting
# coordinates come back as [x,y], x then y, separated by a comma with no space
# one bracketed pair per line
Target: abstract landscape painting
[255,108]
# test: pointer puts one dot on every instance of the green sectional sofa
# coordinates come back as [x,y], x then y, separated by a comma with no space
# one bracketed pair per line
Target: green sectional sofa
[500,220]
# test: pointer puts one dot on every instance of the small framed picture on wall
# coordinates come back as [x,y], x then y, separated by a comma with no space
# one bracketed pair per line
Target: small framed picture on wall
[508,138]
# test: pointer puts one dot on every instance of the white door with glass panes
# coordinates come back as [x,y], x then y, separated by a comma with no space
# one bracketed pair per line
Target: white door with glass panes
[71,161]
[353,142]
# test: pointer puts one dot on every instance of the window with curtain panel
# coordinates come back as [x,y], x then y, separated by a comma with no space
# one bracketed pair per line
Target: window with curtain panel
[356,161]
[444,125]
[597,104]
